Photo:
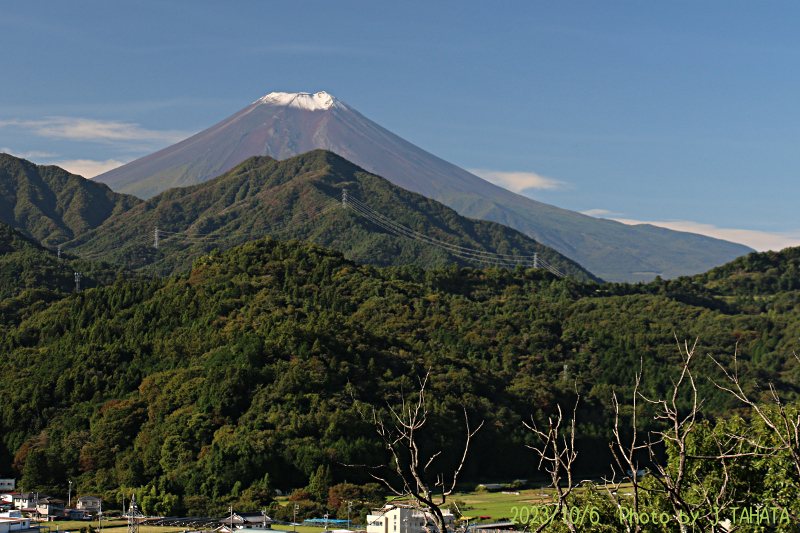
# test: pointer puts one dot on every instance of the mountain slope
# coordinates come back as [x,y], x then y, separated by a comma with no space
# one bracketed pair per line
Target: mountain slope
[203,384]
[51,205]
[32,276]
[282,125]
[293,199]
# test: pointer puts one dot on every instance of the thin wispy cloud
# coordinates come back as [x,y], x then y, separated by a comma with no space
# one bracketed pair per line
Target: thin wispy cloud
[520,181]
[87,129]
[28,155]
[758,240]
[88,168]
[600,213]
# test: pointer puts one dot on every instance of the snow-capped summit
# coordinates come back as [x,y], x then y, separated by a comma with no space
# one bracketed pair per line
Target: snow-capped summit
[312,102]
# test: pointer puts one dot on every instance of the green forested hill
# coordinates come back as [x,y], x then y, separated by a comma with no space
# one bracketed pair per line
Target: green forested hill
[286,200]
[50,204]
[210,384]
[756,274]
[25,265]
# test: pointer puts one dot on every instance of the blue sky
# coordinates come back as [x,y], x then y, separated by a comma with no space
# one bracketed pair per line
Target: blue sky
[684,114]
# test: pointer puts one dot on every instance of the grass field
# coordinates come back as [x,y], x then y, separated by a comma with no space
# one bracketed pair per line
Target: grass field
[121,526]
[498,506]
[112,526]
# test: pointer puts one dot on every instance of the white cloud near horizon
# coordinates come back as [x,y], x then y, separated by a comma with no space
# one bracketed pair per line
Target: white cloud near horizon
[89,168]
[600,213]
[28,155]
[520,181]
[87,129]
[760,241]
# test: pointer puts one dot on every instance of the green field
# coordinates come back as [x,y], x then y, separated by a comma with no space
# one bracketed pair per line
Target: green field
[496,504]
[121,526]
[499,506]
[112,526]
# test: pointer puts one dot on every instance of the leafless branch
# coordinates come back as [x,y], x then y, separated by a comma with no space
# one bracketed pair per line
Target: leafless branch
[557,454]
[401,438]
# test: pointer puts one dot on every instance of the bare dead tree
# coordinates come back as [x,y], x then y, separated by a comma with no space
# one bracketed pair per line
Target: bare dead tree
[686,492]
[557,454]
[784,428]
[624,455]
[401,436]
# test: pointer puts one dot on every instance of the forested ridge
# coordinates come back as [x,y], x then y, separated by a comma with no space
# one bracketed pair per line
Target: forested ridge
[51,205]
[232,379]
[288,199]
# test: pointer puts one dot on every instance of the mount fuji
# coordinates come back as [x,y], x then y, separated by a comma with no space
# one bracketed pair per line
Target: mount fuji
[283,125]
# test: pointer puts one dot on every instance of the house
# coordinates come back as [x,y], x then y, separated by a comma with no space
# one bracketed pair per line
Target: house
[249,521]
[12,524]
[7,484]
[89,504]
[394,518]
[27,500]
[50,507]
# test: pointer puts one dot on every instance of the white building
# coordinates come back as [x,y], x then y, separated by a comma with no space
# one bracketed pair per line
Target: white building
[7,525]
[404,519]
[7,485]
[89,503]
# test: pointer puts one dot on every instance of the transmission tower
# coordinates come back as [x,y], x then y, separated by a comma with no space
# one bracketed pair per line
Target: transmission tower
[77,282]
[134,515]
[536,260]
[59,252]
[155,239]
[344,198]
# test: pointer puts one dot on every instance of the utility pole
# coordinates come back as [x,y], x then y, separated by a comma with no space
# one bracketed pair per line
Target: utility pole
[78,281]
[59,252]
[349,508]
[344,198]
[100,517]
[294,516]
[155,238]
[264,514]
[69,491]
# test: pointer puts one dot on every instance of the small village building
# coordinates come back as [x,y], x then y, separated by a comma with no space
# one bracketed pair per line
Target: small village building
[252,522]
[404,519]
[13,525]
[89,504]
[26,501]
[50,508]
[8,484]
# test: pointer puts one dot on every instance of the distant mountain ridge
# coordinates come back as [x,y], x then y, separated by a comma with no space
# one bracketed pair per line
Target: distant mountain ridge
[287,200]
[282,125]
[52,206]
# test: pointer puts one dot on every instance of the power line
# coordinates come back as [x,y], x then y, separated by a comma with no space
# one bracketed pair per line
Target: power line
[162,237]
[470,254]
